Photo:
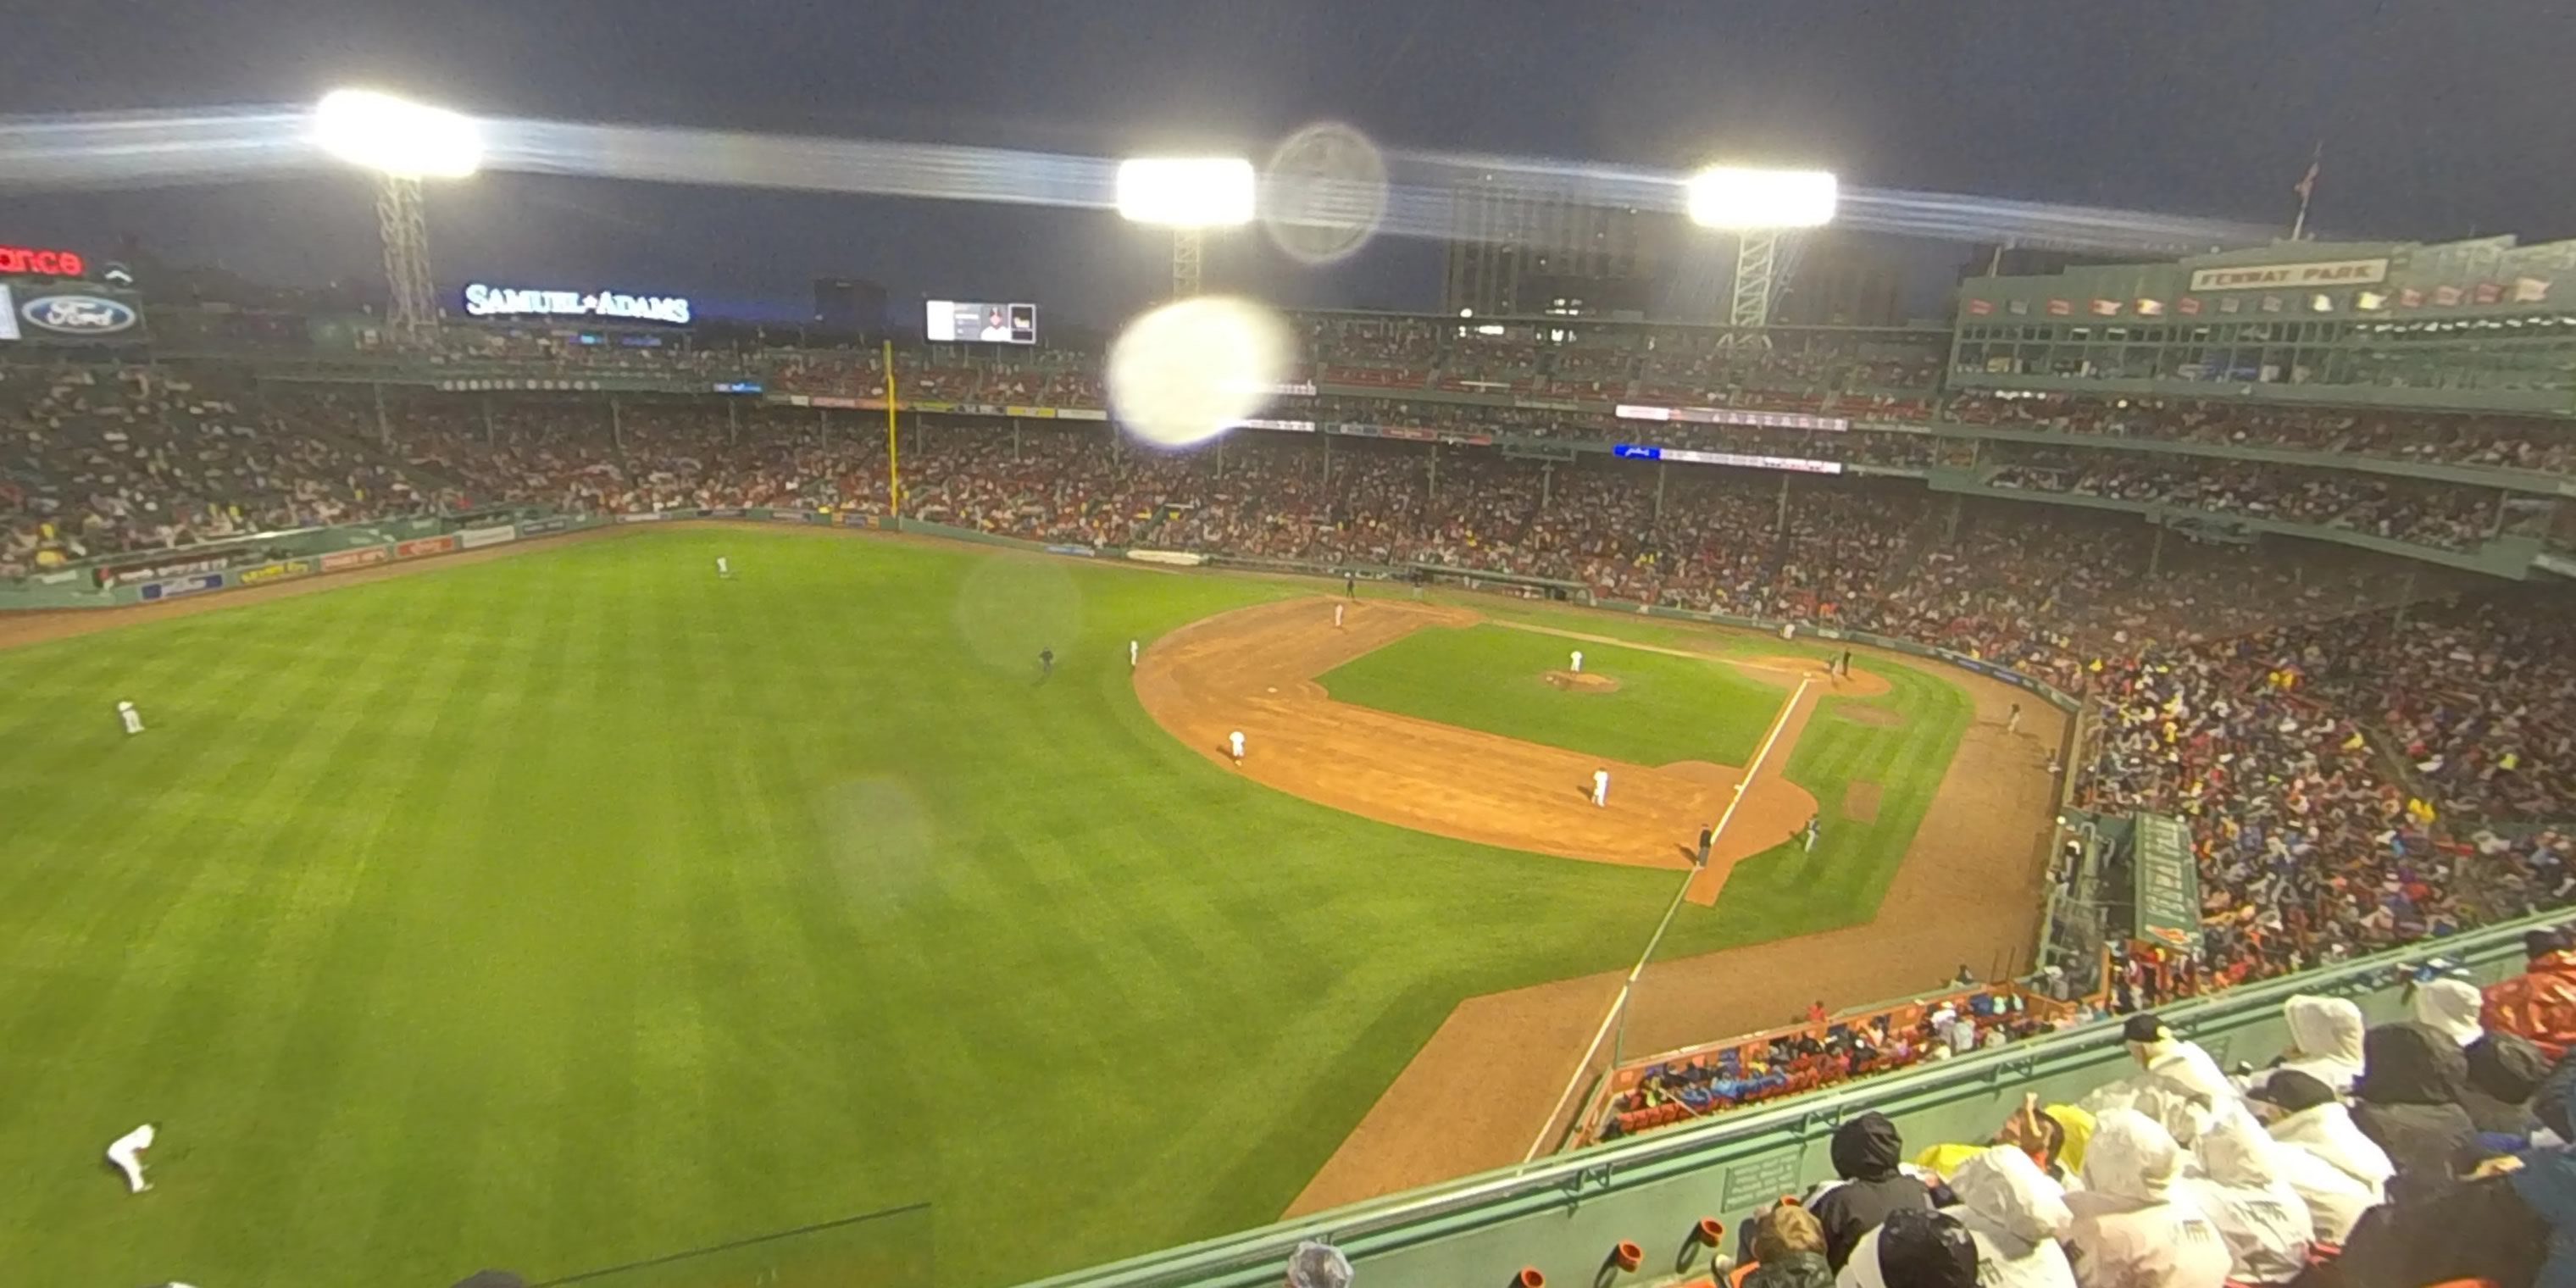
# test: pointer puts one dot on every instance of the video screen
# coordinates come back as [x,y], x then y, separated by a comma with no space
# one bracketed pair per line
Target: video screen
[970,322]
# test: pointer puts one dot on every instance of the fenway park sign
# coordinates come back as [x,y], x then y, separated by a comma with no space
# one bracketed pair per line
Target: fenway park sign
[2326,272]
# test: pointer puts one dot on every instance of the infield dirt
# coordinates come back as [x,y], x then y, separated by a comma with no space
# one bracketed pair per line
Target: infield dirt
[1254,670]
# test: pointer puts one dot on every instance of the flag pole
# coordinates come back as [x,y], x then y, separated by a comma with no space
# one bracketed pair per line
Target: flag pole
[2306,187]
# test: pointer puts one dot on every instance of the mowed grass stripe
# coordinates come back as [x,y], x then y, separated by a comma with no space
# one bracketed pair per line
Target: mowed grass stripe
[611,910]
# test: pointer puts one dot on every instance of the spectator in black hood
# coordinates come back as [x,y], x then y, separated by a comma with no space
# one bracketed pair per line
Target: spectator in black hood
[2408,1103]
[1867,1154]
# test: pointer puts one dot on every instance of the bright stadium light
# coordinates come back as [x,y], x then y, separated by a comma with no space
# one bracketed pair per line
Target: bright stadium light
[402,143]
[1736,197]
[1186,192]
[396,136]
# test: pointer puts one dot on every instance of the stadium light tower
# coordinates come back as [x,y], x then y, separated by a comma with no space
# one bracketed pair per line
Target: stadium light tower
[1758,205]
[1188,195]
[403,143]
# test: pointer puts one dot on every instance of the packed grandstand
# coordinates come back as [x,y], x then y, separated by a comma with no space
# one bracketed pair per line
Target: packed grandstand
[2367,740]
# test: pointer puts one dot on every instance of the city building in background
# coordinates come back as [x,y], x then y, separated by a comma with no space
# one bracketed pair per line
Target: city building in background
[849,306]
[1515,253]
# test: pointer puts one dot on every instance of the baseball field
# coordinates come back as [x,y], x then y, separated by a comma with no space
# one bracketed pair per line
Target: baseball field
[578,907]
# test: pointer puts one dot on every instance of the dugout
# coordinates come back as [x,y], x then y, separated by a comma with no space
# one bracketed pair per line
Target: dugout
[1509,583]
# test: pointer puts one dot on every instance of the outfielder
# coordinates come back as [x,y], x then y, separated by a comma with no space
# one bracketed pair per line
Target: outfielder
[723,569]
[1235,742]
[133,719]
[126,1152]
[1814,822]
[1577,661]
[1601,787]
[1131,655]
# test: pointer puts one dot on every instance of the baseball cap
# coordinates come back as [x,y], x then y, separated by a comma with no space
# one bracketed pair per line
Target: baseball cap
[2142,1028]
[2292,1090]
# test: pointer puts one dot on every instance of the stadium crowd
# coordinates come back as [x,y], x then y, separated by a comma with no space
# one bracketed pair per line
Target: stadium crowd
[2430,1150]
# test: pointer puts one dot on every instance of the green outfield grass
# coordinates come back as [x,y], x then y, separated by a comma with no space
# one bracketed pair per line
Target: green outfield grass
[578,908]
[1491,678]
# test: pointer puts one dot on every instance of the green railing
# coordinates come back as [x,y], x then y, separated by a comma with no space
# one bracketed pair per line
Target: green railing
[1563,1214]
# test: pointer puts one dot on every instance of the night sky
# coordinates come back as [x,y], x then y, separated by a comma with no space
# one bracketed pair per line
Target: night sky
[2440,118]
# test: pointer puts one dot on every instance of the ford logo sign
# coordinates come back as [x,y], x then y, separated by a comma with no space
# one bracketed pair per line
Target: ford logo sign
[79,314]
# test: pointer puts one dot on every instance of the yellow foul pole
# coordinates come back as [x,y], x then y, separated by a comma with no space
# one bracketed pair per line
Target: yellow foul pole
[894,468]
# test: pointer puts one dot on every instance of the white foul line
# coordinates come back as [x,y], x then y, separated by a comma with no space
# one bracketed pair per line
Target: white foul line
[1629,984]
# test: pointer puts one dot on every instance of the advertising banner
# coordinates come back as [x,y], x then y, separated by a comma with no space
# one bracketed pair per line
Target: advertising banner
[1176,558]
[420,546]
[787,516]
[177,586]
[1084,551]
[342,560]
[1029,413]
[279,571]
[651,517]
[75,313]
[1080,413]
[2168,882]
[477,538]
[550,523]
[128,574]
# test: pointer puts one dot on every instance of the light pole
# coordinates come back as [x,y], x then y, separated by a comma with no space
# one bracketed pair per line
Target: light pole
[402,143]
[1187,195]
[1757,205]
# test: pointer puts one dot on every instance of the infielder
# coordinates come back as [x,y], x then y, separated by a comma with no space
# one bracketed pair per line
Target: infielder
[126,1152]
[723,569]
[1813,823]
[1235,742]
[1337,617]
[133,719]
[2012,719]
[1131,655]
[1577,660]
[1601,787]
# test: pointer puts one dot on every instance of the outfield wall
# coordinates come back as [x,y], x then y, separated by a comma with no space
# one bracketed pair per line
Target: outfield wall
[1562,1216]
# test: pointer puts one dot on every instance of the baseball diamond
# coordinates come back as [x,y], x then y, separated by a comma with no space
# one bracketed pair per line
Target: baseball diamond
[805,799]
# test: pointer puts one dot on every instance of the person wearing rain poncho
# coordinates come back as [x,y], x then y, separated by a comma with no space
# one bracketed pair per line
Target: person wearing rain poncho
[1868,1157]
[2013,1214]
[2325,1041]
[2338,1172]
[2242,1188]
[2131,1228]
[2177,1084]
[2408,1103]
[1916,1248]
[2503,1069]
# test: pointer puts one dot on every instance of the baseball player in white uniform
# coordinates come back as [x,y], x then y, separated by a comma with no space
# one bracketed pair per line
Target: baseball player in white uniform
[1131,655]
[133,719]
[723,568]
[1577,662]
[126,1152]
[1601,787]
[1235,741]
[1337,617]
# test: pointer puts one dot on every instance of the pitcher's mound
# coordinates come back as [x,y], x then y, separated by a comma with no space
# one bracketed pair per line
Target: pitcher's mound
[1582,682]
